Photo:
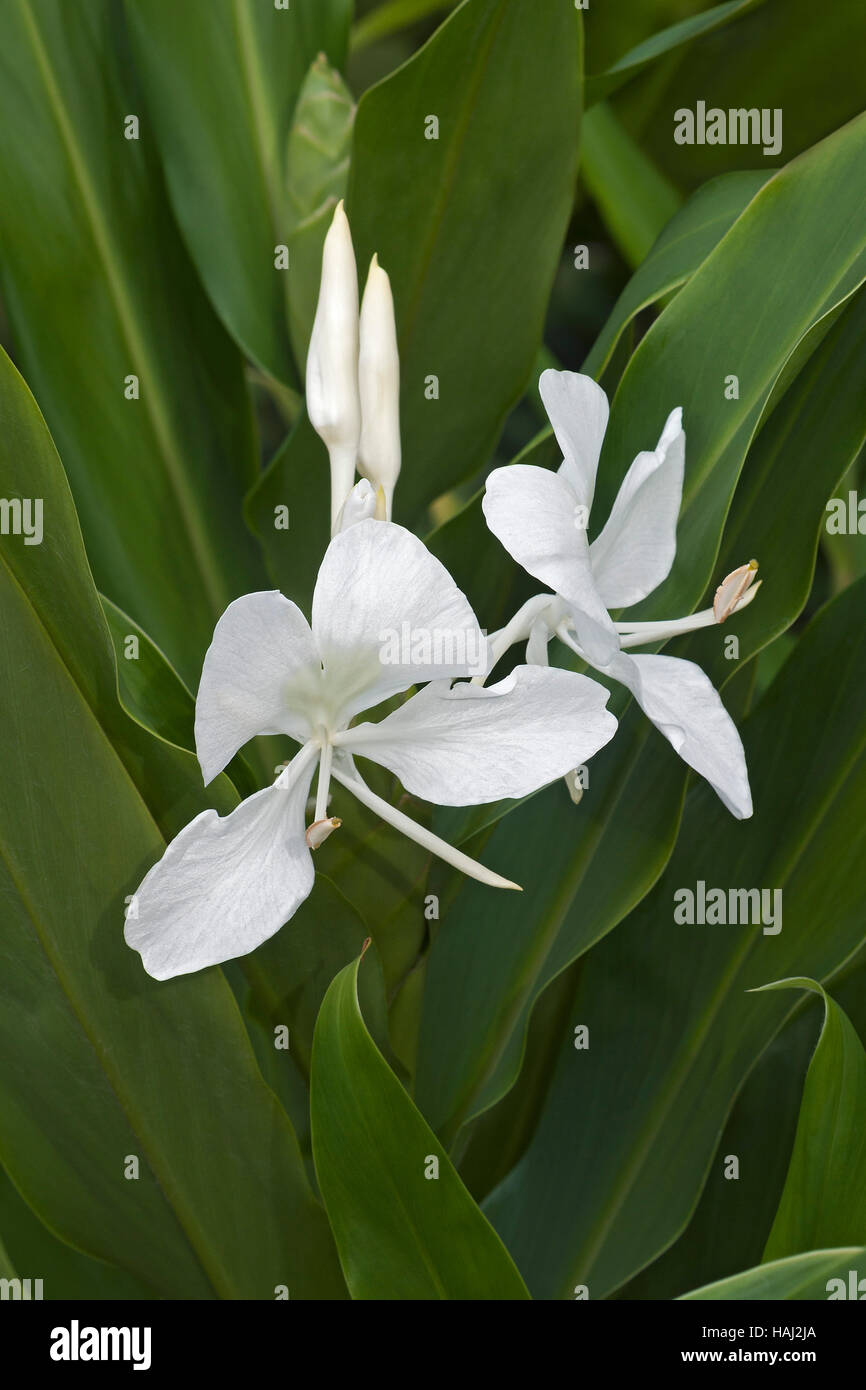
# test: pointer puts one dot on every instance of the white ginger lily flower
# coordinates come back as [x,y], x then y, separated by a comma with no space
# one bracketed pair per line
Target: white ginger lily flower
[225,885]
[541,519]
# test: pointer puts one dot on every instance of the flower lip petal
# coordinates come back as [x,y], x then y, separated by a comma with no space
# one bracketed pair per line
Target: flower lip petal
[226,884]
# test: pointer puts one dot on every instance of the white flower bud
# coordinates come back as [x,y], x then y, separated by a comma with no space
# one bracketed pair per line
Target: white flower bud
[333,401]
[379,379]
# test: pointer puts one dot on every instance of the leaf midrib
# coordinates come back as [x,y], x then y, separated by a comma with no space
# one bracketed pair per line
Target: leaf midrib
[169,447]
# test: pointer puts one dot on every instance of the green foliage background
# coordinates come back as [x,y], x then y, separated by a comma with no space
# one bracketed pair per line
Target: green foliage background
[560,1170]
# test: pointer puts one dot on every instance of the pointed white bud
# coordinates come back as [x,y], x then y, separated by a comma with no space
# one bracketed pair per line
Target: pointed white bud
[379,379]
[333,400]
[731,590]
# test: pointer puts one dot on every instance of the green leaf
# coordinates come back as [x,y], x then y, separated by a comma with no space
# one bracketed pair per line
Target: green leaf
[221,82]
[825,1191]
[392,16]
[99,1061]
[659,45]
[630,1126]
[635,200]
[400,1234]
[455,220]
[34,1253]
[98,288]
[692,233]
[805,1276]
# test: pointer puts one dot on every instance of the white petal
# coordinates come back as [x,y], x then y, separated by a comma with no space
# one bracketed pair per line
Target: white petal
[388,615]
[578,411]
[224,885]
[536,516]
[468,744]
[636,549]
[258,673]
[685,706]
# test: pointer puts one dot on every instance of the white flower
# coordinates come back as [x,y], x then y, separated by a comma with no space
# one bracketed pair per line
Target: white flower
[333,397]
[379,380]
[540,517]
[225,885]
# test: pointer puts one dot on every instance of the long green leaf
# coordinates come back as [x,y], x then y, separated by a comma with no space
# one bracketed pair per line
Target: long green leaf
[100,1063]
[806,1276]
[825,1191]
[661,44]
[405,1226]
[98,290]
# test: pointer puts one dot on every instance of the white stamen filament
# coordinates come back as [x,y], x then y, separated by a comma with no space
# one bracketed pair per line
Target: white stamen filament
[323,785]
[638,634]
[419,834]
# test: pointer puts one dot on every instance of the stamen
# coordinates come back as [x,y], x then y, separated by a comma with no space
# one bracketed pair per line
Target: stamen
[317,833]
[419,834]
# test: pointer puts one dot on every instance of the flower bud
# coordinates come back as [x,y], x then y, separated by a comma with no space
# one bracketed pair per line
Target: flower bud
[379,380]
[333,401]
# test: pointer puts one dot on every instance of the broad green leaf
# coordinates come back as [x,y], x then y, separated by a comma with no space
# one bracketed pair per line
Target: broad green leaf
[732,1221]
[455,220]
[635,200]
[401,1232]
[778,512]
[806,1276]
[221,82]
[34,1253]
[100,1062]
[682,247]
[630,1125]
[99,290]
[504,951]
[661,44]
[825,1191]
